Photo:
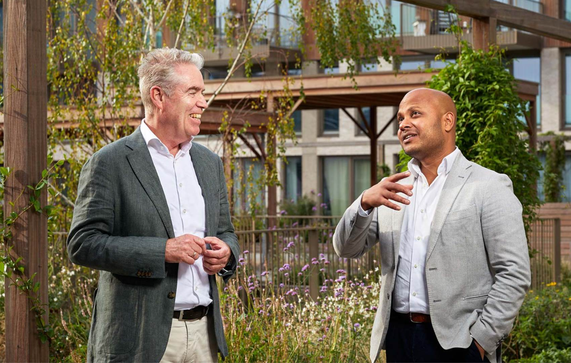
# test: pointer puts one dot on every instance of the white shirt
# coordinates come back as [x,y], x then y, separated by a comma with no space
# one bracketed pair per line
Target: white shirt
[187,211]
[410,292]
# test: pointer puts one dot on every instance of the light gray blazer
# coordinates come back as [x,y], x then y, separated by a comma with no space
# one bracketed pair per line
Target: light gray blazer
[121,223]
[477,263]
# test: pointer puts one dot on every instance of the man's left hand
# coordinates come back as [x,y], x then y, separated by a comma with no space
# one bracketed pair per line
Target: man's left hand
[215,259]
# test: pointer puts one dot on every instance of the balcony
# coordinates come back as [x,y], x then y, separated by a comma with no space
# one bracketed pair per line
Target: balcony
[272,38]
[423,30]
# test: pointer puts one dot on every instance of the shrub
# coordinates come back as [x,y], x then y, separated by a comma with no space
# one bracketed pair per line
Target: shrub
[543,326]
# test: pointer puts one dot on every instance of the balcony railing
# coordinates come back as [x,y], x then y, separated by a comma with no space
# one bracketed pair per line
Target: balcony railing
[418,21]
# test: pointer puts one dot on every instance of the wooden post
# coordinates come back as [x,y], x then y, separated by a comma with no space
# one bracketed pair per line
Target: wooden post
[557,250]
[272,190]
[373,140]
[484,33]
[25,140]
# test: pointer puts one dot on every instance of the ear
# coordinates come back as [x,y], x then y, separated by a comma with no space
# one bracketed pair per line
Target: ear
[449,121]
[157,97]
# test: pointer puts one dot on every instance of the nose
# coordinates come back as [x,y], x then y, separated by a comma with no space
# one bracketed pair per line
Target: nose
[404,124]
[202,103]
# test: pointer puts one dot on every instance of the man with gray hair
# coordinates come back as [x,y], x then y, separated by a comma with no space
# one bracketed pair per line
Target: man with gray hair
[152,215]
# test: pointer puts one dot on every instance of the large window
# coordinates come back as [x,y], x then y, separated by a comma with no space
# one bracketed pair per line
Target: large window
[344,179]
[566,192]
[296,115]
[567,10]
[529,69]
[293,178]
[567,95]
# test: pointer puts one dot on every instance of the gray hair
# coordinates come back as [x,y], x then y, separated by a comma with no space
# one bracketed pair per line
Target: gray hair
[157,69]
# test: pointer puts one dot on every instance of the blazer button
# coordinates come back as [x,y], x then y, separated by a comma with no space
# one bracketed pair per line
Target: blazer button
[171,295]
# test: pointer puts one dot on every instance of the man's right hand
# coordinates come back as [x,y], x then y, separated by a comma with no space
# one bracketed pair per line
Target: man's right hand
[386,190]
[186,248]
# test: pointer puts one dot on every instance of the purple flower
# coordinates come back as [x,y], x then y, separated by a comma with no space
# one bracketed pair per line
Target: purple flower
[282,212]
[286,266]
[305,267]
[282,285]
[286,274]
[246,252]
[341,271]
[356,326]
[314,208]
[264,273]
[291,244]
[319,194]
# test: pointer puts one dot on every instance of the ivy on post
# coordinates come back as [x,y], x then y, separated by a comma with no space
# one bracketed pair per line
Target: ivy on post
[24,232]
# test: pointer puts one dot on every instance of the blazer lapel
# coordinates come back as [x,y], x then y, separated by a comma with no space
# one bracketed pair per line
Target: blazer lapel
[397,218]
[142,164]
[459,173]
[204,175]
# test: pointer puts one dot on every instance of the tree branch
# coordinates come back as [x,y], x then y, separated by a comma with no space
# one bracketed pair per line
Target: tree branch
[237,59]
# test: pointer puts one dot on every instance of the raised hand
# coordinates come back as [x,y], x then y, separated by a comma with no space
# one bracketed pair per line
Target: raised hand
[386,191]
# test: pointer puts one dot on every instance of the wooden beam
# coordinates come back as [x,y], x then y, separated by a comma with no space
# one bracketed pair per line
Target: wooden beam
[25,107]
[366,132]
[508,15]
[373,144]
[387,125]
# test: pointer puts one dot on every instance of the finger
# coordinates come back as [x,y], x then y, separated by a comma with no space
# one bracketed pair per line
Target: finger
[214,241]
[397,198]
[391,205]
[400,188]
[398,176]
[189,260]
[215,253]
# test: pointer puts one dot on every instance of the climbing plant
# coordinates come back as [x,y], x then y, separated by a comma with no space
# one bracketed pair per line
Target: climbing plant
[554,150]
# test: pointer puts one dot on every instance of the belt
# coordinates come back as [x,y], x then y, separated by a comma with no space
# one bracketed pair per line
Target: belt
[193,314]
[410,317]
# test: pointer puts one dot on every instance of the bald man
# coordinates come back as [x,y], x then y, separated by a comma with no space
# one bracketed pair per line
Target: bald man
[454,260]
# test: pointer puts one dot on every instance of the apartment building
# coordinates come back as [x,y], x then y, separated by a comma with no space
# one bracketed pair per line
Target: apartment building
[332,155]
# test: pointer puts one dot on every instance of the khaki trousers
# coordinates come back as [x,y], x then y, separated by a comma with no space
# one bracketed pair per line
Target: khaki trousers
[191,341]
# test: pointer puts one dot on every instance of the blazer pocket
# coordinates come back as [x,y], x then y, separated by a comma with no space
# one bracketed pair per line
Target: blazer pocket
[463,213]
[479,296]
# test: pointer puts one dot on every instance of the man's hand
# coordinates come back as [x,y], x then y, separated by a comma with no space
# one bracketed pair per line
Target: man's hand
[215,259]
[482,351]
[186,248]
[386,190]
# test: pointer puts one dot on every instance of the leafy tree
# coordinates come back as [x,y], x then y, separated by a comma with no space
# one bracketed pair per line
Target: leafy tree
[489,129]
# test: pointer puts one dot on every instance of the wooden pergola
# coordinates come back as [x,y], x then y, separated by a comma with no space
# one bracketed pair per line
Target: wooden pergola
[25,119]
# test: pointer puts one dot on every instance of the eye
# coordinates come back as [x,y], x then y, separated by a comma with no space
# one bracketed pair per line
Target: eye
[415,113]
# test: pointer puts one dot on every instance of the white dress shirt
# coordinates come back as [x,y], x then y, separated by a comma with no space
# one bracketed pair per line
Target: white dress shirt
[187,212]
[410,293]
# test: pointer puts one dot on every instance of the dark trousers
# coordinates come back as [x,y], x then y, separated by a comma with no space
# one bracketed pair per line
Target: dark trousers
[416,342]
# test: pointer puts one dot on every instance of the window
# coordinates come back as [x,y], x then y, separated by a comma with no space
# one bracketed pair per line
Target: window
[567,10]
[293,178]
[296,115]
[331,121]
[528,69]
[366,121]
[566,192]
[567,95]
[344,179]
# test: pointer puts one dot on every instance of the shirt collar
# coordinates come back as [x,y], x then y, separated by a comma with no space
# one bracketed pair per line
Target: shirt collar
[444,167]
[153,141]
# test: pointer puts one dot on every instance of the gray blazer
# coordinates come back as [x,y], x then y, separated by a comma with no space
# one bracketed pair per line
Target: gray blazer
[477,263]
[121,223]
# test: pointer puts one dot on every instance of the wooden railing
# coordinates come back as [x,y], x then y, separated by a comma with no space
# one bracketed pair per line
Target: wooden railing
[545,245]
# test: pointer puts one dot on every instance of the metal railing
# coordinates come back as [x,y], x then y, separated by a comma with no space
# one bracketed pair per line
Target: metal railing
[544,241]
[419,21]
[298,252]
[273,29]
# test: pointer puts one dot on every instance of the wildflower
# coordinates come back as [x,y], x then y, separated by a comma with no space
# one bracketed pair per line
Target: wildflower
[356,326]
[282,285]
[305,267]
[319,194]
[291,244]
[246,252]
[286,274]
[314,208]
[264,273]
[286,266]
[341,271]
[282,212]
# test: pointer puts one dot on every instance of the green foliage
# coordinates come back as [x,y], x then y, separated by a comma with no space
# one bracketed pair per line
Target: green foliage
[303,206]
[543,327]
[551,355]
[383,170]
[352,31]
[489,129]
[553,183]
